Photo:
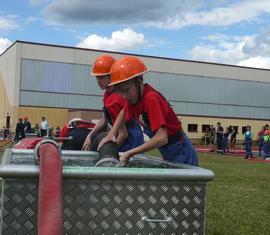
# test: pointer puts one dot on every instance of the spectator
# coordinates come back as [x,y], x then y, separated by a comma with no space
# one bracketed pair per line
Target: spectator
[36,129]
[248,142]
[260,139]
[160,121]
[19,132]
[225,140]
[207,137]
[57,131]
[44,127]
[266,142]
[212,138]
[27,125]
[5,133]
[219,135]
[233,138]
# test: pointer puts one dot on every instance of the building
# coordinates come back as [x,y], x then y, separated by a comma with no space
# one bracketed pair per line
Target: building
[54,81]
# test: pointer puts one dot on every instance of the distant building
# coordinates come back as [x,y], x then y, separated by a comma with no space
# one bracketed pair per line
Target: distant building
[54,81]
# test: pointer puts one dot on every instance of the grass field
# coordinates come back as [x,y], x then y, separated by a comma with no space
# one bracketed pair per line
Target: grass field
[238,199]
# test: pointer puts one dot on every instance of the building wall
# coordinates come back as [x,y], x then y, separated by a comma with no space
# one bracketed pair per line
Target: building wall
[64,85]
[10,83]
[55,117]
[54,78]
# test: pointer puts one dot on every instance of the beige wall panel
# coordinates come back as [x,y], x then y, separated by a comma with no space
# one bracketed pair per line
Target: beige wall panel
[47,53]
[6,109]
[55,117]
[206,69]
[9,72]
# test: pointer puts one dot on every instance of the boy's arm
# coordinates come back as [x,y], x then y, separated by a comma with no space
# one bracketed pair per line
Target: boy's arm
[112,135]
[98,127]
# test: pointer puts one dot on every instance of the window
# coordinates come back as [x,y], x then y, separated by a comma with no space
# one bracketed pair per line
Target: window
[192,127]
[205,128]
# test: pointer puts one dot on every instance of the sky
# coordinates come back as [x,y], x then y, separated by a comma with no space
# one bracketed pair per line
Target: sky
[235,32]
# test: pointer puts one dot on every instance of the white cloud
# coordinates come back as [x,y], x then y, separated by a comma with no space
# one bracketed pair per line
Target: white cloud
[7,23]
[242,11]
[252,51]
[120,40]
[4,44]
[257,61]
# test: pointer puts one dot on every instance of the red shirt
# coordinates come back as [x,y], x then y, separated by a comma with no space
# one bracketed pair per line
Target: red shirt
[158,110]
[113,103]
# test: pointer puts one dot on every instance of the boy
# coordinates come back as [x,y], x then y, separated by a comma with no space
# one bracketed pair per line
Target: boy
[113,104]
[248,142]
[152,110]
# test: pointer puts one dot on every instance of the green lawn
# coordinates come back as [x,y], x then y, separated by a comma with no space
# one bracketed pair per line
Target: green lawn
[238,199]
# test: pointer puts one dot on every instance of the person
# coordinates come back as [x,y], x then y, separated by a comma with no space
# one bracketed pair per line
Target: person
[260,140]
[36,129]
[151,108]
[206,137]
[57,131]
[233,138]
[225,137]
[78,129]
[212,138]
[5,133]
[113,104]
[248,142]
[19,132]
[44,127]
[27,125]
[266,142]
[219,138]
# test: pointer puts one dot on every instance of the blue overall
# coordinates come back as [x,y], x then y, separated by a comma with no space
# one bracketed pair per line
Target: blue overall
[135,136]
[248,144]
[180,150]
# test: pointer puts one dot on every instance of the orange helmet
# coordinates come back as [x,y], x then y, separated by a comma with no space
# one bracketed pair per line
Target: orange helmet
[102,65]
[126,68]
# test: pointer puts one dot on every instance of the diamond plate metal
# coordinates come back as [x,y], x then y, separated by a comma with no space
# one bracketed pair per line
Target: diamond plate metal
[109,207]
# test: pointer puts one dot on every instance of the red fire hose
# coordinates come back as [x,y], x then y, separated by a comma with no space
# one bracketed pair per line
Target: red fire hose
[50,219]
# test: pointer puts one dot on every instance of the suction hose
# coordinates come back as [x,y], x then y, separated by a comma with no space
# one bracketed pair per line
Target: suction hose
[50,221]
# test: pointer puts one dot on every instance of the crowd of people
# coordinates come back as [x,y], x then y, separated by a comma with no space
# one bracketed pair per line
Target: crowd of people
[223,140]
[24,128]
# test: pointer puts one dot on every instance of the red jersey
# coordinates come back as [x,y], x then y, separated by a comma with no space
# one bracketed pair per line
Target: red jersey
[157,109]
[113,103]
